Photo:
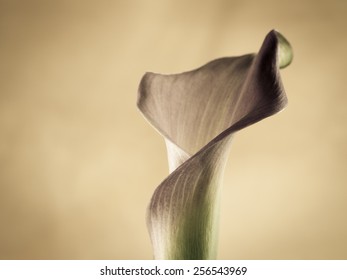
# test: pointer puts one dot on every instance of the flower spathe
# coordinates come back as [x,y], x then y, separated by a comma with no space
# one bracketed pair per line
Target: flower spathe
[197,112]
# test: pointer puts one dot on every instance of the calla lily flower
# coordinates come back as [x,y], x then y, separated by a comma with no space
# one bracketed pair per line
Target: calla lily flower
[197,112]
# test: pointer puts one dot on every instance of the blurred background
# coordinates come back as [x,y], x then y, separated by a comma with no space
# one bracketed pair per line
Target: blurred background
[78,162]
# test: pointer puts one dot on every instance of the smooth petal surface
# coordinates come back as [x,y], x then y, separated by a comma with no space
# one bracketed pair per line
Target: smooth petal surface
[197,112]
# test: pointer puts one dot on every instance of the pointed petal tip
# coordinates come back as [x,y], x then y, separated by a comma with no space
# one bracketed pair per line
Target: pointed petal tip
[285,51]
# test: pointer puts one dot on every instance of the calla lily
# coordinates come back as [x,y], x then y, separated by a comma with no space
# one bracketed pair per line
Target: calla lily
[197,112]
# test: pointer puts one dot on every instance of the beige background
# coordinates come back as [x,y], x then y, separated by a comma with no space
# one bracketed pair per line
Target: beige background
[78,163]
